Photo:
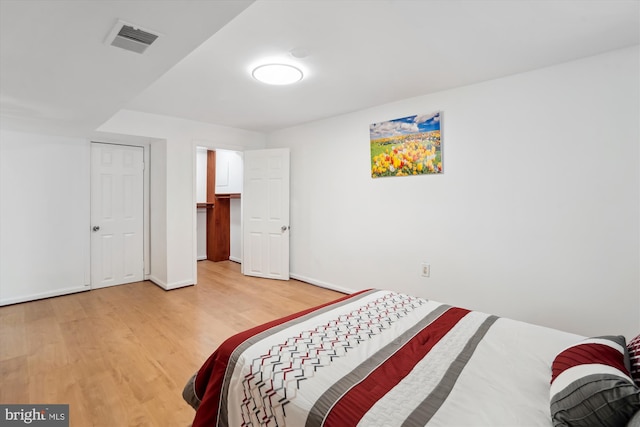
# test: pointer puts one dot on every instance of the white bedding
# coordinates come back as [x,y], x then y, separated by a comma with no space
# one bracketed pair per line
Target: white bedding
[384,359]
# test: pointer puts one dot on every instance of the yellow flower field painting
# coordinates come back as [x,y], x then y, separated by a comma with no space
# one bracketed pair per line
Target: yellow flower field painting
[407,146]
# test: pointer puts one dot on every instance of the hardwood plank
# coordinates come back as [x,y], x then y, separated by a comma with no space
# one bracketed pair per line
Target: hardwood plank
[12,332]
[15,380]
[120,356]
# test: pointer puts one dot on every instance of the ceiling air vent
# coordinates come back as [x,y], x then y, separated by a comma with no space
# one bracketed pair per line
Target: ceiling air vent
[130,37]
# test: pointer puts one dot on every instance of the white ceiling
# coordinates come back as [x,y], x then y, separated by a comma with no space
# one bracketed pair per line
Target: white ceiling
[57,74]
[55,69]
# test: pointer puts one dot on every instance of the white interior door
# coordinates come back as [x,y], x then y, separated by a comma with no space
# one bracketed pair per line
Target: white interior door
[265,214]
[117,251]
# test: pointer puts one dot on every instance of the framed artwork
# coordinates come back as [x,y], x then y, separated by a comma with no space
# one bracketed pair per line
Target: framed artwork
[407,146]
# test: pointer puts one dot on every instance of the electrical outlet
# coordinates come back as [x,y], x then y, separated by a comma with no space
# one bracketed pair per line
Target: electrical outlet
[425,269]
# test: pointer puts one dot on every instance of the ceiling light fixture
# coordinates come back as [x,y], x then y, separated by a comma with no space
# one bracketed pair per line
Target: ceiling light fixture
[277,74]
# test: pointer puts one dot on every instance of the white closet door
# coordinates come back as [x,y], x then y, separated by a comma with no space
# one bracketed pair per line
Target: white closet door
[117,252]
[265,212]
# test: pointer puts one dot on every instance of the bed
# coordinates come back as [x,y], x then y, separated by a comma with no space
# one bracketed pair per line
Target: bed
[382,358]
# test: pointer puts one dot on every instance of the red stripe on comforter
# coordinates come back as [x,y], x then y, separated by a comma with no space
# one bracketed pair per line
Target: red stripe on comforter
[358,400]
[210,377]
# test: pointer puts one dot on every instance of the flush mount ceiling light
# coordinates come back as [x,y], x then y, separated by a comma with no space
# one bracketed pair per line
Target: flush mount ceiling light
[277,74]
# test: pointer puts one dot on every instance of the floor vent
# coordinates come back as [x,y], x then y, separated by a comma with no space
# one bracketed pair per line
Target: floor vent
[130,37]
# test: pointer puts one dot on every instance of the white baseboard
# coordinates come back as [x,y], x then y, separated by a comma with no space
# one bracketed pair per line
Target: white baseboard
[169,286]
[231,258]
[42,295]
[321,283]
[157,281]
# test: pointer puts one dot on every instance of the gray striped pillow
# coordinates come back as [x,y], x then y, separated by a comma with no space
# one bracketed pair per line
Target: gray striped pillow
[591,386]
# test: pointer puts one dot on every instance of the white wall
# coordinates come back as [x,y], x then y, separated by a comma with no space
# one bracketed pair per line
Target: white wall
[536,216]
[44,216]
[179,242]
[158,213]
[235,232]
[201,227]
[201,174]
[201,197]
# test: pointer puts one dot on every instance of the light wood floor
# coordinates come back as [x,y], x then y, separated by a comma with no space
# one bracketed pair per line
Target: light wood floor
[120,356]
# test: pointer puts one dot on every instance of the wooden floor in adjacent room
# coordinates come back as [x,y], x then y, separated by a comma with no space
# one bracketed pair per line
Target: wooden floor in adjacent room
[120,356]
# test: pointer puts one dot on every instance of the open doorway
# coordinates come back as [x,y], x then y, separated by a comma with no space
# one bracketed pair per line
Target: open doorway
[218,192]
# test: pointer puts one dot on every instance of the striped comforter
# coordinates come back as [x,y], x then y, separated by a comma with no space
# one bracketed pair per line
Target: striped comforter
[380,358]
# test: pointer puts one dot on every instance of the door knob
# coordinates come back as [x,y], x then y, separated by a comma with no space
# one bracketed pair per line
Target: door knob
[96,227]
[284,228]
